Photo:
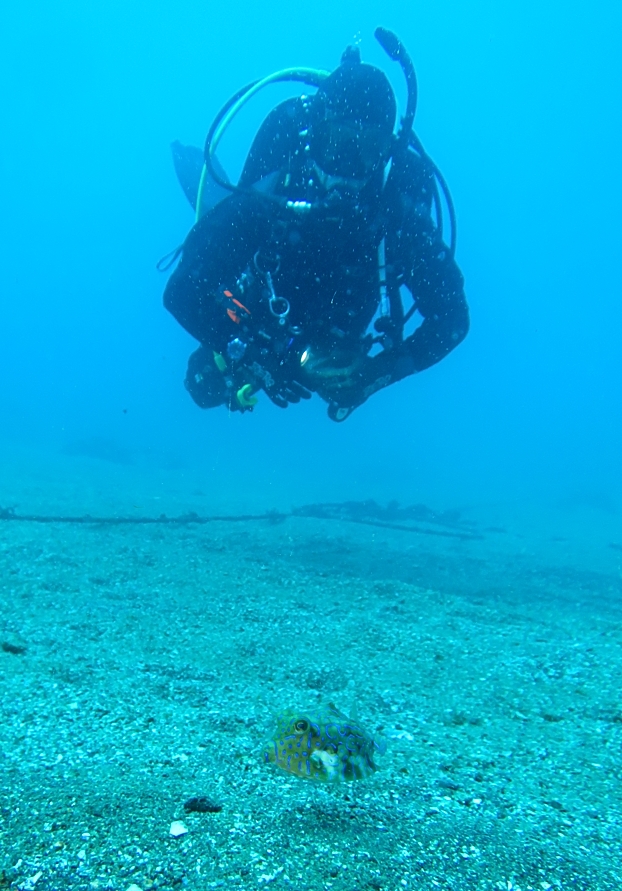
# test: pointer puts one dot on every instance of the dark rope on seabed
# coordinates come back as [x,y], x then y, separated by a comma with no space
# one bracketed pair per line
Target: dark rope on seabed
[191,518]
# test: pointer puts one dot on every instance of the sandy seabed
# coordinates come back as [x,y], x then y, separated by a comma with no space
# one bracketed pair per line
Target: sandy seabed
[142,666]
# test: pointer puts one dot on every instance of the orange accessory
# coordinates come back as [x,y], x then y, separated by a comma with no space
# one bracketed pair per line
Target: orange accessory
[241,305]
[231,312]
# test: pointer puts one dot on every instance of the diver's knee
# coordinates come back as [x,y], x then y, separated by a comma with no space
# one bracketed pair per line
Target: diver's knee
[204,381]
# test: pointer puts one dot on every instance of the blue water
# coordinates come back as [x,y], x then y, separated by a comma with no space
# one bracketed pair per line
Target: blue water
[519,430]
[519,106]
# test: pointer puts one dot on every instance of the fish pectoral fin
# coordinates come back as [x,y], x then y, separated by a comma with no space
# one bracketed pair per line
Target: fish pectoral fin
[324,757]
[328,762]
[380,744]
[332,708]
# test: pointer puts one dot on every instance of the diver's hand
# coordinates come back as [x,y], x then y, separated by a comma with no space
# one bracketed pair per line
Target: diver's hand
[336,375]
[353,388]
[273,378]
[284,393]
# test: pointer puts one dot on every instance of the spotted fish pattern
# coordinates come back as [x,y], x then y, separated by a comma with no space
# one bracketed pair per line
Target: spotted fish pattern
[322,744]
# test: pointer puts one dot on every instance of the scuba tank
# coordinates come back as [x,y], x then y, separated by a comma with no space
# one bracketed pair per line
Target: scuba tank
[407,139]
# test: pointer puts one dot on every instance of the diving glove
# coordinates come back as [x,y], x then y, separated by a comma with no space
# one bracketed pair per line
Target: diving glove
[285,393]
[346,391]
[264,372]
[329,371]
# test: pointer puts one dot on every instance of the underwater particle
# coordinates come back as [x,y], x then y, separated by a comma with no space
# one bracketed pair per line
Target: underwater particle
[177,829]
[200,804]
[323,744]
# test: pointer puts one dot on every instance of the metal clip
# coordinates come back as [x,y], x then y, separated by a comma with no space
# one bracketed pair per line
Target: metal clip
[279,306]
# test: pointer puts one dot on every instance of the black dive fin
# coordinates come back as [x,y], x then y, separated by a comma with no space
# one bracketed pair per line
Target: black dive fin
[188,161]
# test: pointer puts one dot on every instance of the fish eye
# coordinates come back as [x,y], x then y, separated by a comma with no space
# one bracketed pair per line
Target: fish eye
[301,726]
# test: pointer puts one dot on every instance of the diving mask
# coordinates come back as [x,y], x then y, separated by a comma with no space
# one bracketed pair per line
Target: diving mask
[348,150]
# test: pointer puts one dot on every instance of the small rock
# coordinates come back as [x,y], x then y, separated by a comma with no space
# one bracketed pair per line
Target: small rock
[448,784]
[557,805]
[200,804]
[14,649]
[178,828]
[30,882]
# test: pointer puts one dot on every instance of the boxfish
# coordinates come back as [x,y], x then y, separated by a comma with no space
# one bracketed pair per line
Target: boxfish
[323,744]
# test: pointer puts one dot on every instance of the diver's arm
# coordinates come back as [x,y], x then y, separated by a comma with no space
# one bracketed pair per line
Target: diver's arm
[437,286]
[198,294]
[215,252]
[428,270]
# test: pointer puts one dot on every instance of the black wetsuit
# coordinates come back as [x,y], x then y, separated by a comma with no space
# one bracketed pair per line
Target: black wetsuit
[325,261]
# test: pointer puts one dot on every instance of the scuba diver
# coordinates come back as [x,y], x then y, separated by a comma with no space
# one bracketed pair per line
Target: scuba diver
[292,279]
